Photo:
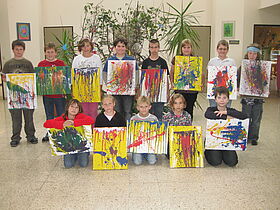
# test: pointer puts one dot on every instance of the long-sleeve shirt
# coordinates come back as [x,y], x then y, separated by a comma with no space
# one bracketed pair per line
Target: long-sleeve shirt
[178,120]
[116,121]
[210,114]
[80,119]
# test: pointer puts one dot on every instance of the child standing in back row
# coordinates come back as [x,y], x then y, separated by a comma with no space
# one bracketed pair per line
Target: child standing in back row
[50,101]
[189,95]
[18,64]
[144,106]
[221,60]
[85,60]
[154,61]
[123,102]
[253,105]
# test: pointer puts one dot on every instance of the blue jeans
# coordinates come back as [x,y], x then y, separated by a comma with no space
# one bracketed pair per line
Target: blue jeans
[137,158]
[254,113]
[70,159]
[213,103]
[157,109]
[49,106]
[124,105]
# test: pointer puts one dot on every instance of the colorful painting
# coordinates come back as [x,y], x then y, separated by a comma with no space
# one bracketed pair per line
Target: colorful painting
[121,77]
[53,80]
[228,134]
[21,91]
[153,83]
[23,31]
[255,78]
[70,140]
[186,147]
[228,29]
[109,150]
[188,73]
[147,137]
[225,76]
[86,84]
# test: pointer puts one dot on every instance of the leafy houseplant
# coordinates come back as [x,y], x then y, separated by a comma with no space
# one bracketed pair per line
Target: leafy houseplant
[136,24]
[66,48]
[180,23]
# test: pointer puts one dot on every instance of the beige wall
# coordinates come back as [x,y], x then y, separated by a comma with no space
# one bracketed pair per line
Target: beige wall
[42,13]
[268,3]
[4,37]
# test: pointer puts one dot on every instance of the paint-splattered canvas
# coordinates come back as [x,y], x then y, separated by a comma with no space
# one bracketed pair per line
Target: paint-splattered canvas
[53,80]
[186,147]
[109,151]
[225,76]
[153,83]
[228,134]
[147,137]
[188,73]
[70,140]
[86,84]
[21,91]
[255,78]
[121,77]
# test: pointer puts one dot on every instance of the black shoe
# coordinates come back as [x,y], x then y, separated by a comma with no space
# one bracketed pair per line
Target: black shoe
[14,143]
[33,140]
[44,139]
[254,142]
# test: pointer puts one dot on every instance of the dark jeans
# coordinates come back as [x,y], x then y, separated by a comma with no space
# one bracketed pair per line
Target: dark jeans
[215,157]
[157,109]
[29,128]
[124,105]
[190,100]
[49,106]
[254,112]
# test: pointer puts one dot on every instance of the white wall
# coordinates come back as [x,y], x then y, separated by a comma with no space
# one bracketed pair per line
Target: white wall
[253,15]
[268,3]
[42,13]
[28,11]
[228,11]
[5,34]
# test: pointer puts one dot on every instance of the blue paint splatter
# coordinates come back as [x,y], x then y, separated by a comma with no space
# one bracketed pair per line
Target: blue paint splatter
[122,161]
[100,152]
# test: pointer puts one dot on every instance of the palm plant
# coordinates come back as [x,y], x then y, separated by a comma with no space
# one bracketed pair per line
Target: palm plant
[180,23]
[66,47]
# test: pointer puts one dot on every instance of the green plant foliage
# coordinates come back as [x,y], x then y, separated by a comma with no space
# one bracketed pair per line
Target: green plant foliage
[180,23]
[136,24]
[66,49]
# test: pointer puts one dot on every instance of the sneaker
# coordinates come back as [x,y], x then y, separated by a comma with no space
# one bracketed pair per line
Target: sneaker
[254,142]
[33,140]
[14,143]
[44,139]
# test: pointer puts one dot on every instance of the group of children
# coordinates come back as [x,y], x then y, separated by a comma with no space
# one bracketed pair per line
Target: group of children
[117,108]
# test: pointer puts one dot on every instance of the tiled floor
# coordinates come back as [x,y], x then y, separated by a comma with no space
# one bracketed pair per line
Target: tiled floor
[30,178]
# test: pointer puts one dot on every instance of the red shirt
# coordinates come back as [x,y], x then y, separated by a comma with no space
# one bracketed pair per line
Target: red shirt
[46,63]
[80,119]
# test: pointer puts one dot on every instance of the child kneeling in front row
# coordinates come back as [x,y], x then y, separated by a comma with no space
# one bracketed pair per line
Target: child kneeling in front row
[221,111]
[177,116]
[73,116]
[109,117]
[144,106]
